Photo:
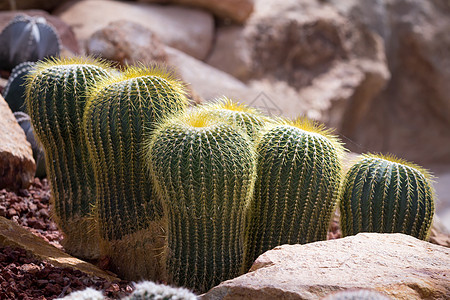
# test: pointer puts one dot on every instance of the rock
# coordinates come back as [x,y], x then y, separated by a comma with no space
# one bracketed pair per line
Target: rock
[396,265]
[15,235]
[411,116]
[30,4]
[65,32]
[127,43]
[186,29]
[316,62]
[17,166]
[235,10]
[441,185]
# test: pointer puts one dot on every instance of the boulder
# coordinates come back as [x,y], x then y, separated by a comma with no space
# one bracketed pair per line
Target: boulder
[186,29]
[395,265]
[411,116]
[65,32]
[14,235]
[126,43]
[30,4]
[17,166]
[235,10]
[316,62]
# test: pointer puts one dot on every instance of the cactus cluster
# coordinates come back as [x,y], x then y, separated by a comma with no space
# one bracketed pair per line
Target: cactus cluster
[27,38]
[192,196]
[386,194]
[204,170]
[120,112]
[296,188]
[56,98]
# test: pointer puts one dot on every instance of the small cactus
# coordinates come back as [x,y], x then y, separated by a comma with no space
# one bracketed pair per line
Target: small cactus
[236,114]
[356,295]
[27,38]
[298,174]
[14,92]
[38,153]
[148,290]
[386,194]
[55,100]
[121,111]
[204,171]
[86,294]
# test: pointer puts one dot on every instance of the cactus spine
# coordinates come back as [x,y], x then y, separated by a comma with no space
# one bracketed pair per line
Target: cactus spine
[121,110]
[386,194]
[238,115]
[55,98]
[27,39]
[14,92]
[298,175]
[148,290]
[204,170]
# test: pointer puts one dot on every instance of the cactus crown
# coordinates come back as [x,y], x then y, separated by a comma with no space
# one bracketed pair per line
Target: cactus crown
[27,38]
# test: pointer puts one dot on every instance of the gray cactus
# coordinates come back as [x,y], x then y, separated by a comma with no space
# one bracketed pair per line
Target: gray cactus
[14,92]
[27,38]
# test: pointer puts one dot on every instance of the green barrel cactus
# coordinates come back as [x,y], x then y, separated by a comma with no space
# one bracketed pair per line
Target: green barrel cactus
[147,290]
[204,171]
[55,100]
[386,194]
[240,115]
[298,175]
[120,112]
[27,38]
[14,92]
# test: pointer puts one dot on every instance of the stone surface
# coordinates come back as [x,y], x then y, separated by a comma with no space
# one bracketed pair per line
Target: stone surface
[30,4]
[316,62]
[65,32]
[17,166]
[15,235]
[186,29]
[235,10]
[127,43]
[397,265]
[411,116]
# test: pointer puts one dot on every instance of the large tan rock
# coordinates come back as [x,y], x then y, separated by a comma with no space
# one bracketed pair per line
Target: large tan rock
[235,10]
[126,43]
[316,62]
[186,29]
[14,235]
[397,265]
[411,116]
[17,166]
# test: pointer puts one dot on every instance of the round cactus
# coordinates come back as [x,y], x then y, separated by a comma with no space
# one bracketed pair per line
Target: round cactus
[386,194]
[148,290]
[120,112]
[204,170]
[248,119]
[298,176]
[14,92]
[27,38]
[55,99]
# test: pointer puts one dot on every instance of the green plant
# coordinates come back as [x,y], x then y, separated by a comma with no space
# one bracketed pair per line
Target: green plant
[55,99]
[204,170]
[14,92]
[148,290]
[298,174]
[27,38]
[386,194]
[236,114]
[120,112]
